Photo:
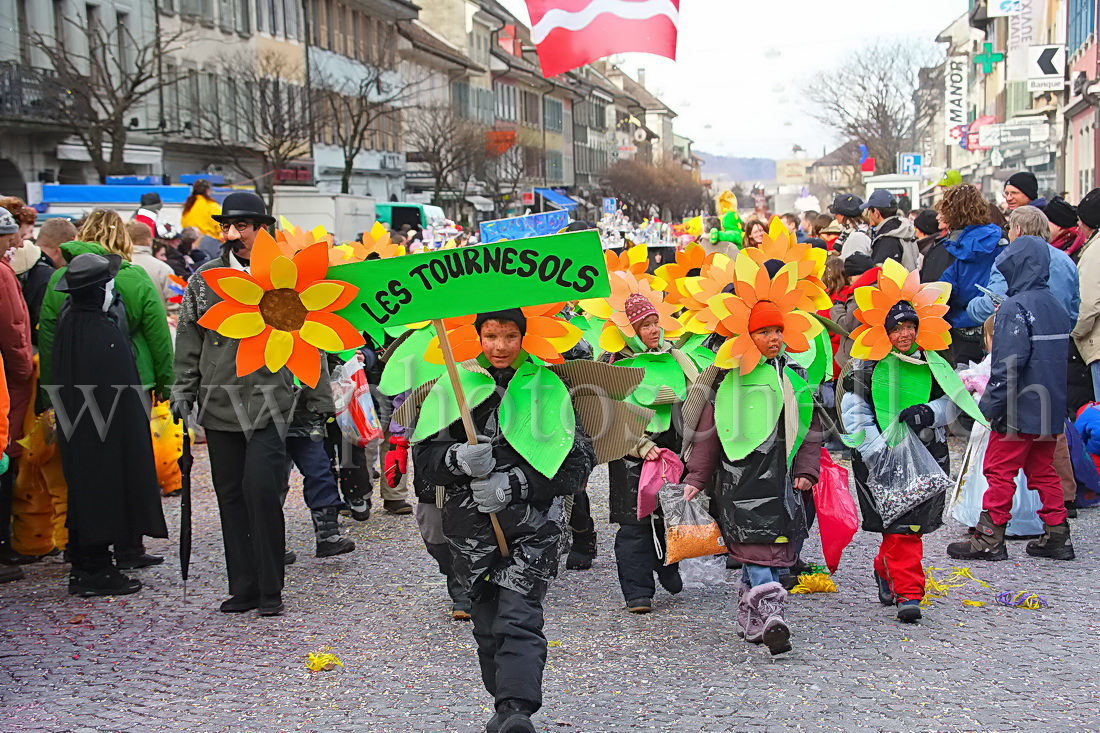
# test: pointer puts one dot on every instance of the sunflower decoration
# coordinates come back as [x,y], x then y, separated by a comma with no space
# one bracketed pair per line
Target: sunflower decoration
[696,292]
[634,260]
[897,286]
[375,244]
[298,239]
[547,337]
[758,297]
[283,310]
[691,261]
[782,248]
[615,309]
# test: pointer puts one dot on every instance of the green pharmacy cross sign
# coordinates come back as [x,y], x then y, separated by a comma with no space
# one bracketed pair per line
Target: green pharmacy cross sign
[987,58]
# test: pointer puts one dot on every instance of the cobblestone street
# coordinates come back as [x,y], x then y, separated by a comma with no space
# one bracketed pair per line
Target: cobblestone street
[155,662]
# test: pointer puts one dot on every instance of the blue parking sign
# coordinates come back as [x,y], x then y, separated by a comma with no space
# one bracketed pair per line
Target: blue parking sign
[610,206]
[910,164]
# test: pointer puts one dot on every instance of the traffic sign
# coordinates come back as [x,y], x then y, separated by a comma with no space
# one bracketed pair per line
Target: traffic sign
[610,206]
[910,164]
[1046,68]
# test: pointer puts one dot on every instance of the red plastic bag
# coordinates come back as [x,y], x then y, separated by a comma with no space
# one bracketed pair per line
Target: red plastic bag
[837,518]
[665,470]
[355,413]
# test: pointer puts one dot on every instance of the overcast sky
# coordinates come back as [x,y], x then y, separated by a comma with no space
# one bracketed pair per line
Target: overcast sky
[742,64]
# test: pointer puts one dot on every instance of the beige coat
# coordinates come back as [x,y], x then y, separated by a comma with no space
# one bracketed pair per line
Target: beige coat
[1087,331]
[158,270]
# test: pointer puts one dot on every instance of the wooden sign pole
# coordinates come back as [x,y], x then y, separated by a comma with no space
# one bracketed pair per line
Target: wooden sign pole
[467,418]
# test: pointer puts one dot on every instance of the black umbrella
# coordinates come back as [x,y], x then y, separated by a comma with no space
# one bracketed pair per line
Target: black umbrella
[185,507]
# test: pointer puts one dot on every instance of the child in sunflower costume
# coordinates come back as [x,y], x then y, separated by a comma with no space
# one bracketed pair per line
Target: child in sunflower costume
[529,458]
[896,376]
[755,441]
[634,335]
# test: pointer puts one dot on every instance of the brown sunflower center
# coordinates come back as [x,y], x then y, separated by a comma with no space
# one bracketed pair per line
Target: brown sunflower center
[282,309]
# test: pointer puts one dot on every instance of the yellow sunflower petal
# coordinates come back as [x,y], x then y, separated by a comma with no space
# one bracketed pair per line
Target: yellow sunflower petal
[597,307]
[321,295]
[242,325]
[611,340]
[893,270]
[284,274]
[280,345]
[864,298]
[242,290]
[321,336]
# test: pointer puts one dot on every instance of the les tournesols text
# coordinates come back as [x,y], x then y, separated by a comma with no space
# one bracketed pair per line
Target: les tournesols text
[488,259]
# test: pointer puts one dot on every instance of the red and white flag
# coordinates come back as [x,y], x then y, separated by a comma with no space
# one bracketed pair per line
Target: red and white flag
[572,33]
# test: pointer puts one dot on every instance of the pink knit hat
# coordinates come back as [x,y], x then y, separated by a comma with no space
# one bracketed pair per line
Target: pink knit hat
[638,307]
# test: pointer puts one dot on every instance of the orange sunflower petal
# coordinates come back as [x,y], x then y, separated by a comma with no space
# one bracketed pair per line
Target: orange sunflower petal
[250,353]
[305,362]
[233,320]
[264,252]
[312,264]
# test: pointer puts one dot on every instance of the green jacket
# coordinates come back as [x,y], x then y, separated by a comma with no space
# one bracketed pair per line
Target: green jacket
[206,369]
[145,316]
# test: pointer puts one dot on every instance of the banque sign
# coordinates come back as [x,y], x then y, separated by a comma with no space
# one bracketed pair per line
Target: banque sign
[488,277]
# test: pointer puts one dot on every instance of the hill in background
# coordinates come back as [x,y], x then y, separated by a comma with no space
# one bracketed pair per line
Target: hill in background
[737,169]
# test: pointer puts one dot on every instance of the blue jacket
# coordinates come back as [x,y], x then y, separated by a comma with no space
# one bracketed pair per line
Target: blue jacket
[1027,381]
[975,250]
[1064,283]
[1088,425]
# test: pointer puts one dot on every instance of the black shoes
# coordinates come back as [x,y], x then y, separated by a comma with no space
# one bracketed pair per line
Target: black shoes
[397,507]
[578,561]
[106,582]
[271,605]
[1071,509]
[239,604]
[517,723]
[885,595]
[135,562]
[669,578]
[1055,543]
[640,605]
[8,574]
[909,612]
[289,558]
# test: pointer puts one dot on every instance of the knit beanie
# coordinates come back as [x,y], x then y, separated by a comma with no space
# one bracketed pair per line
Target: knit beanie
[765,314]
[900,313]
[1061,213]
[1088,211]
[638,308]
[515,315]
[1025,183]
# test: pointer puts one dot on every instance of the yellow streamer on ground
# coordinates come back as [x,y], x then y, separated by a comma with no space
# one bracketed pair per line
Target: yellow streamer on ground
[814,583]
[956,578]
[322,661]
[975,604]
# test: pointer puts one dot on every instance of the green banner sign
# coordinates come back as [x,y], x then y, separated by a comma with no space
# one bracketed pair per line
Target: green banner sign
[488,277]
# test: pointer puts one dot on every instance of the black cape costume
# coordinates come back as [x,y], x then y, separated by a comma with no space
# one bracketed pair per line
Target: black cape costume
[113,491]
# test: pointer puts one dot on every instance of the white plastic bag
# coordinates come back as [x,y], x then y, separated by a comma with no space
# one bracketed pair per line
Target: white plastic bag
[700,572]
[967,505]
[901,476]
[355,412]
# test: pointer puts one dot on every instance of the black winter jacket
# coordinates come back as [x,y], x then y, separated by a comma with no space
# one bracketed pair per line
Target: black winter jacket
[534,528]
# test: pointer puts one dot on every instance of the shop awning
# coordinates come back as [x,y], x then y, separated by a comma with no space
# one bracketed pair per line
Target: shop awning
[480,203]
[557,199]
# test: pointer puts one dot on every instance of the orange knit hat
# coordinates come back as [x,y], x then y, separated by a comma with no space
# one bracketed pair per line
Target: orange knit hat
[765,314]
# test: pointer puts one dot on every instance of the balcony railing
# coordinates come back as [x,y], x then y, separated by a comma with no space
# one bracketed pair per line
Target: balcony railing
[31,94]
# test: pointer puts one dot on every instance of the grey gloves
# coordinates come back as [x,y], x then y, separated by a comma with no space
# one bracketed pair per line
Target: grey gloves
[492,493]
[495,492]
[474,461]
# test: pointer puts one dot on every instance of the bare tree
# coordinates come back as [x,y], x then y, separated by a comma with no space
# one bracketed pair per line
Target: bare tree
[503,172]
[868,98]
[274,120]
[655,190]
[356,105]
[448,143]
[104,86]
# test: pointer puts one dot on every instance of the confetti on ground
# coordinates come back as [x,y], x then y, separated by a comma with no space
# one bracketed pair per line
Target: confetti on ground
[1022,599]
[814,583]
[323,661]
[957,578]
